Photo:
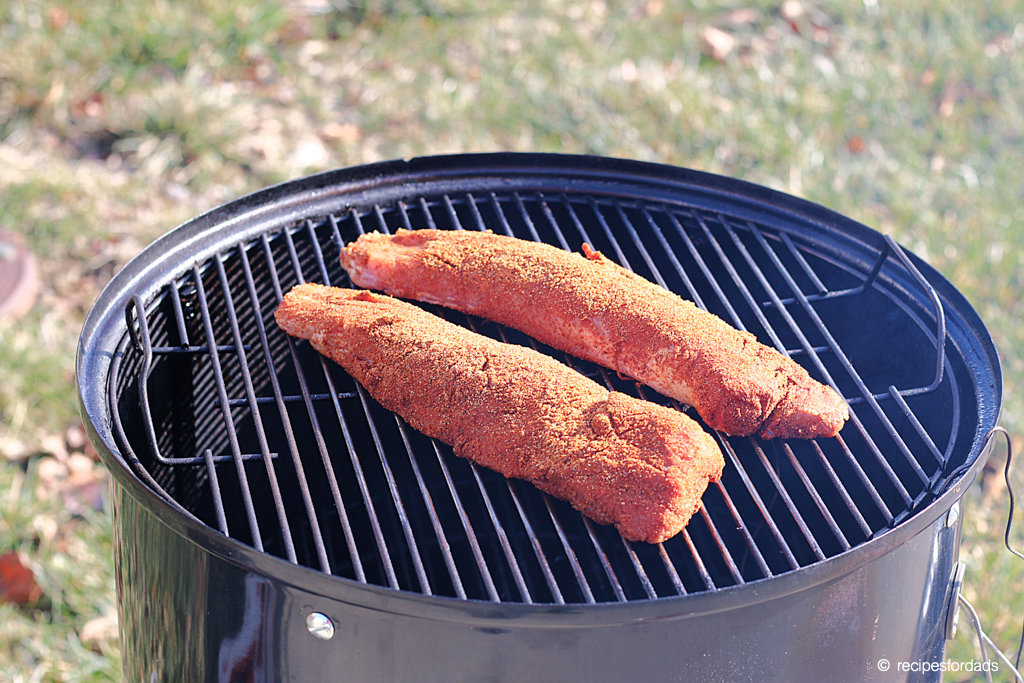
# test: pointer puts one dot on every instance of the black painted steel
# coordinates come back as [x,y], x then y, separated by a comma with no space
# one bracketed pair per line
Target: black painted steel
[224,430]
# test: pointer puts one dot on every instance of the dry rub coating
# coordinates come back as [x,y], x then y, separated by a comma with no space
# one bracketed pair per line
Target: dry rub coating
[593,308]
[617,459]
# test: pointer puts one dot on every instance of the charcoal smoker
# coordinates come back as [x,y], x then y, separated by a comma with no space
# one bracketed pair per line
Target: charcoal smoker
[274,523]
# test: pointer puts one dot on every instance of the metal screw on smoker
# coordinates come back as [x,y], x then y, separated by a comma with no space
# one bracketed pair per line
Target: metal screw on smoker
[320,626]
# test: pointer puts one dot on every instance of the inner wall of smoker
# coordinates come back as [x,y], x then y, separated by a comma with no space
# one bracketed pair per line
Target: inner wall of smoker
[779,506]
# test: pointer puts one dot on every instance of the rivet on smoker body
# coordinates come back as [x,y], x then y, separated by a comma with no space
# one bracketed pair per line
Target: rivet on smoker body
[320,626]
[953,515]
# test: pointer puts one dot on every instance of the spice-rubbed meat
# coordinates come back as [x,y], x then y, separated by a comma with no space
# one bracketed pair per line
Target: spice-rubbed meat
[617,459]
[593,308]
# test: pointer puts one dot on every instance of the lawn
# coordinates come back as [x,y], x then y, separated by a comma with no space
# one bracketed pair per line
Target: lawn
[120,120]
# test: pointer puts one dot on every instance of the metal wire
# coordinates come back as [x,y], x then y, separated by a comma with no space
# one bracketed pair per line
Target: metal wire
[983,639]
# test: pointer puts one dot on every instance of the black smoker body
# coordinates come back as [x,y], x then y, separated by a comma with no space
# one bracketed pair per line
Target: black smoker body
[273,523]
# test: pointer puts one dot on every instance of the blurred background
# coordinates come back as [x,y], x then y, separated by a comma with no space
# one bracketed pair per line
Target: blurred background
[120,120]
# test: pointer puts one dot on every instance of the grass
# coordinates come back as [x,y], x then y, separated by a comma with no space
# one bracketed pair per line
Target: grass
[116,124]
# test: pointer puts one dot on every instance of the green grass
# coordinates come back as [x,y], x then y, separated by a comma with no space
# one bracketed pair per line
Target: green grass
[72,560]
[118,124]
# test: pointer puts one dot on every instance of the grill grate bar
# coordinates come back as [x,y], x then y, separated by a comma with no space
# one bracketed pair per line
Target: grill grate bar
[762,508]
[863,477]
[425,209]
[421,573]
[359,569]
[705,270]
[709,583]
[670,567]
[250,510]
[525,216]
[546,209]
[620,257]
[467,525]
[720,542]
[506,547]
[577,570]
[452,216]
[200,349]
[435,519]
[657,232]
[179,317]
[787,499]
[852,507]
[500,213]
[644,254]
[609,573]
[403,211]
[641,573]
[941,458]
[275,385]
[815,496]
[218,500]
[318,434]
[290,398]
[396,498]
[549,576]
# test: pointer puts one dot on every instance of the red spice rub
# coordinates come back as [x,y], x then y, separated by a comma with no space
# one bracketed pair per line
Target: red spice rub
[617,459]
[593,308]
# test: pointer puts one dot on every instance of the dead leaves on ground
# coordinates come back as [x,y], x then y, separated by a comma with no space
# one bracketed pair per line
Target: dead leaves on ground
[18,581]
[743,32]
[64,466]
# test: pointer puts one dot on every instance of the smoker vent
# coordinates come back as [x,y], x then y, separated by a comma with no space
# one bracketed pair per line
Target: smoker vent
[254,434]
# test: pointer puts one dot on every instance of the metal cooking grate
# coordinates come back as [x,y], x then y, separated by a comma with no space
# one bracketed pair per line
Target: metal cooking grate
[256,435]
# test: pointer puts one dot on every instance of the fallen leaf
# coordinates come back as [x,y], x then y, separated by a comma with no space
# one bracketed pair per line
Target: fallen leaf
[54,445]
[57,18]
[744,15]
[716,43]
[97,631]
[75,438]
[342,133]
[856,144]
[84,486]
[948,102]
[651,8]
[17,582]
[14,449]
[791,10]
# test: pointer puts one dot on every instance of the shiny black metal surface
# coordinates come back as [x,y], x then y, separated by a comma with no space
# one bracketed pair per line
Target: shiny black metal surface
[805,549]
